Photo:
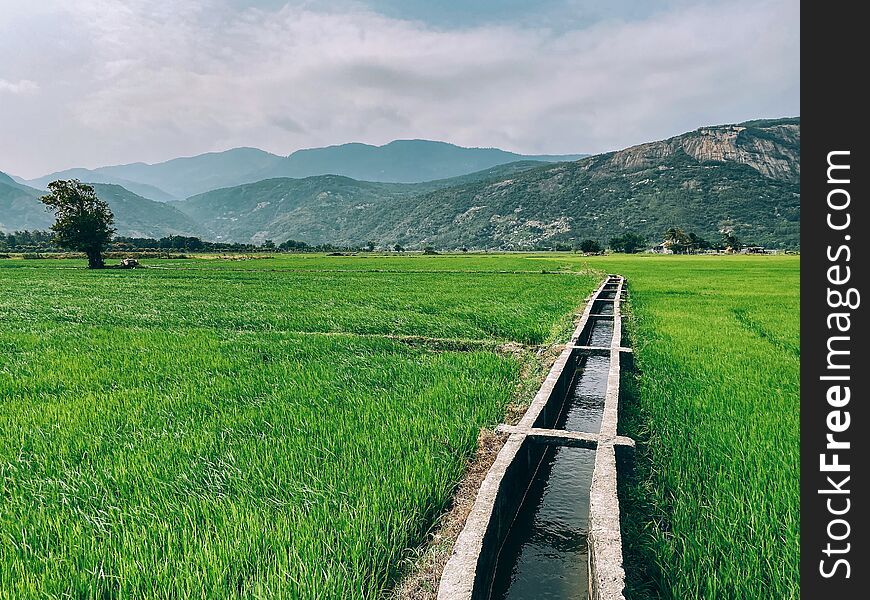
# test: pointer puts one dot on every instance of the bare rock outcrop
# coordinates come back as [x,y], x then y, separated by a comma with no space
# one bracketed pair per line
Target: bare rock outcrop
[772,151]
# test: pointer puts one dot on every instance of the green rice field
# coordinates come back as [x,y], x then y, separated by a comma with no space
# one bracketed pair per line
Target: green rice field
[291,427]
[283,428]
[715,509]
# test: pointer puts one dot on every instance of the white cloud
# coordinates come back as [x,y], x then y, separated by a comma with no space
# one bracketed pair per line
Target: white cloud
[22,86]
[149,80]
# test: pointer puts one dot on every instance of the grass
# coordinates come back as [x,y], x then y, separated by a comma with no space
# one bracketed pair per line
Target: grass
[208,432]
[713,508]
[526,307]
[264,428]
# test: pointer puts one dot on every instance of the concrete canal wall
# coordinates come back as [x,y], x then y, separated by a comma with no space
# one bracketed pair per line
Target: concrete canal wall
[469,573]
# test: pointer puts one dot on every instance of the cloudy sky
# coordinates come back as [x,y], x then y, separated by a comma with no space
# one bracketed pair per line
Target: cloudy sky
[97,82]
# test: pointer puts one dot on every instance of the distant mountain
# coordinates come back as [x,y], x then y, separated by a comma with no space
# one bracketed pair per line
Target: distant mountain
[184,177]
[135,216]
[96,176]
[280,207]
[401,161]
[15,182]
[20,208]
[313,209]
[317,209]
[409,161]
[743,178]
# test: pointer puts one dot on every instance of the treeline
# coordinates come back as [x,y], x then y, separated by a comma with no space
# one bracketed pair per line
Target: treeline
[195,244]
[27,241]
[43,241]
[675,239]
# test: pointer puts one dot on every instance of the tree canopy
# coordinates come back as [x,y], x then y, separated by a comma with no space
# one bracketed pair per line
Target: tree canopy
[590,246]
[628,243]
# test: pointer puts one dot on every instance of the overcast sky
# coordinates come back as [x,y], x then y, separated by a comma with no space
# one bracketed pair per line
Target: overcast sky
[96,82]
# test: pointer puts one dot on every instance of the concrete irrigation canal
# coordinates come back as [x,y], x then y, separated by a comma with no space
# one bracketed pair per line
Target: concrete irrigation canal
[545,524]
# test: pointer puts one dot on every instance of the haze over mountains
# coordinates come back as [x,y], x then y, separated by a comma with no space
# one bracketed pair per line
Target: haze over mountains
[19,208]
[135,216]
[98,176]
[400,161]
[741,178]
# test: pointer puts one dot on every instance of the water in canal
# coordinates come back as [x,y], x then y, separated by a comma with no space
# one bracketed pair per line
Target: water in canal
[545,554]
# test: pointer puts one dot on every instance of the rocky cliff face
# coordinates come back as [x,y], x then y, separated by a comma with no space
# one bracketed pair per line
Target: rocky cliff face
[771,149]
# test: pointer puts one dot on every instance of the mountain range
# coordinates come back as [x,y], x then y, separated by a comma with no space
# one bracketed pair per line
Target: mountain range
[400,161]
[742,178]
[135,216]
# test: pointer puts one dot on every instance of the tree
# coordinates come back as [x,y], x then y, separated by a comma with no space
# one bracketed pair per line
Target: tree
[729,240]
[370,246]
[629,243]
[697,243]
[398,248]
[293,246]
[590,246]
[677,240]
[268,245]
[83,222]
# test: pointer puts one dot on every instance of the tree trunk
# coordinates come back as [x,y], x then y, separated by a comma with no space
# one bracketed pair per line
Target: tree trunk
[95,259]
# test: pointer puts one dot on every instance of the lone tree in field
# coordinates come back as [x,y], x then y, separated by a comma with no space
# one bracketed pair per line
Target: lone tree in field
[83,221]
